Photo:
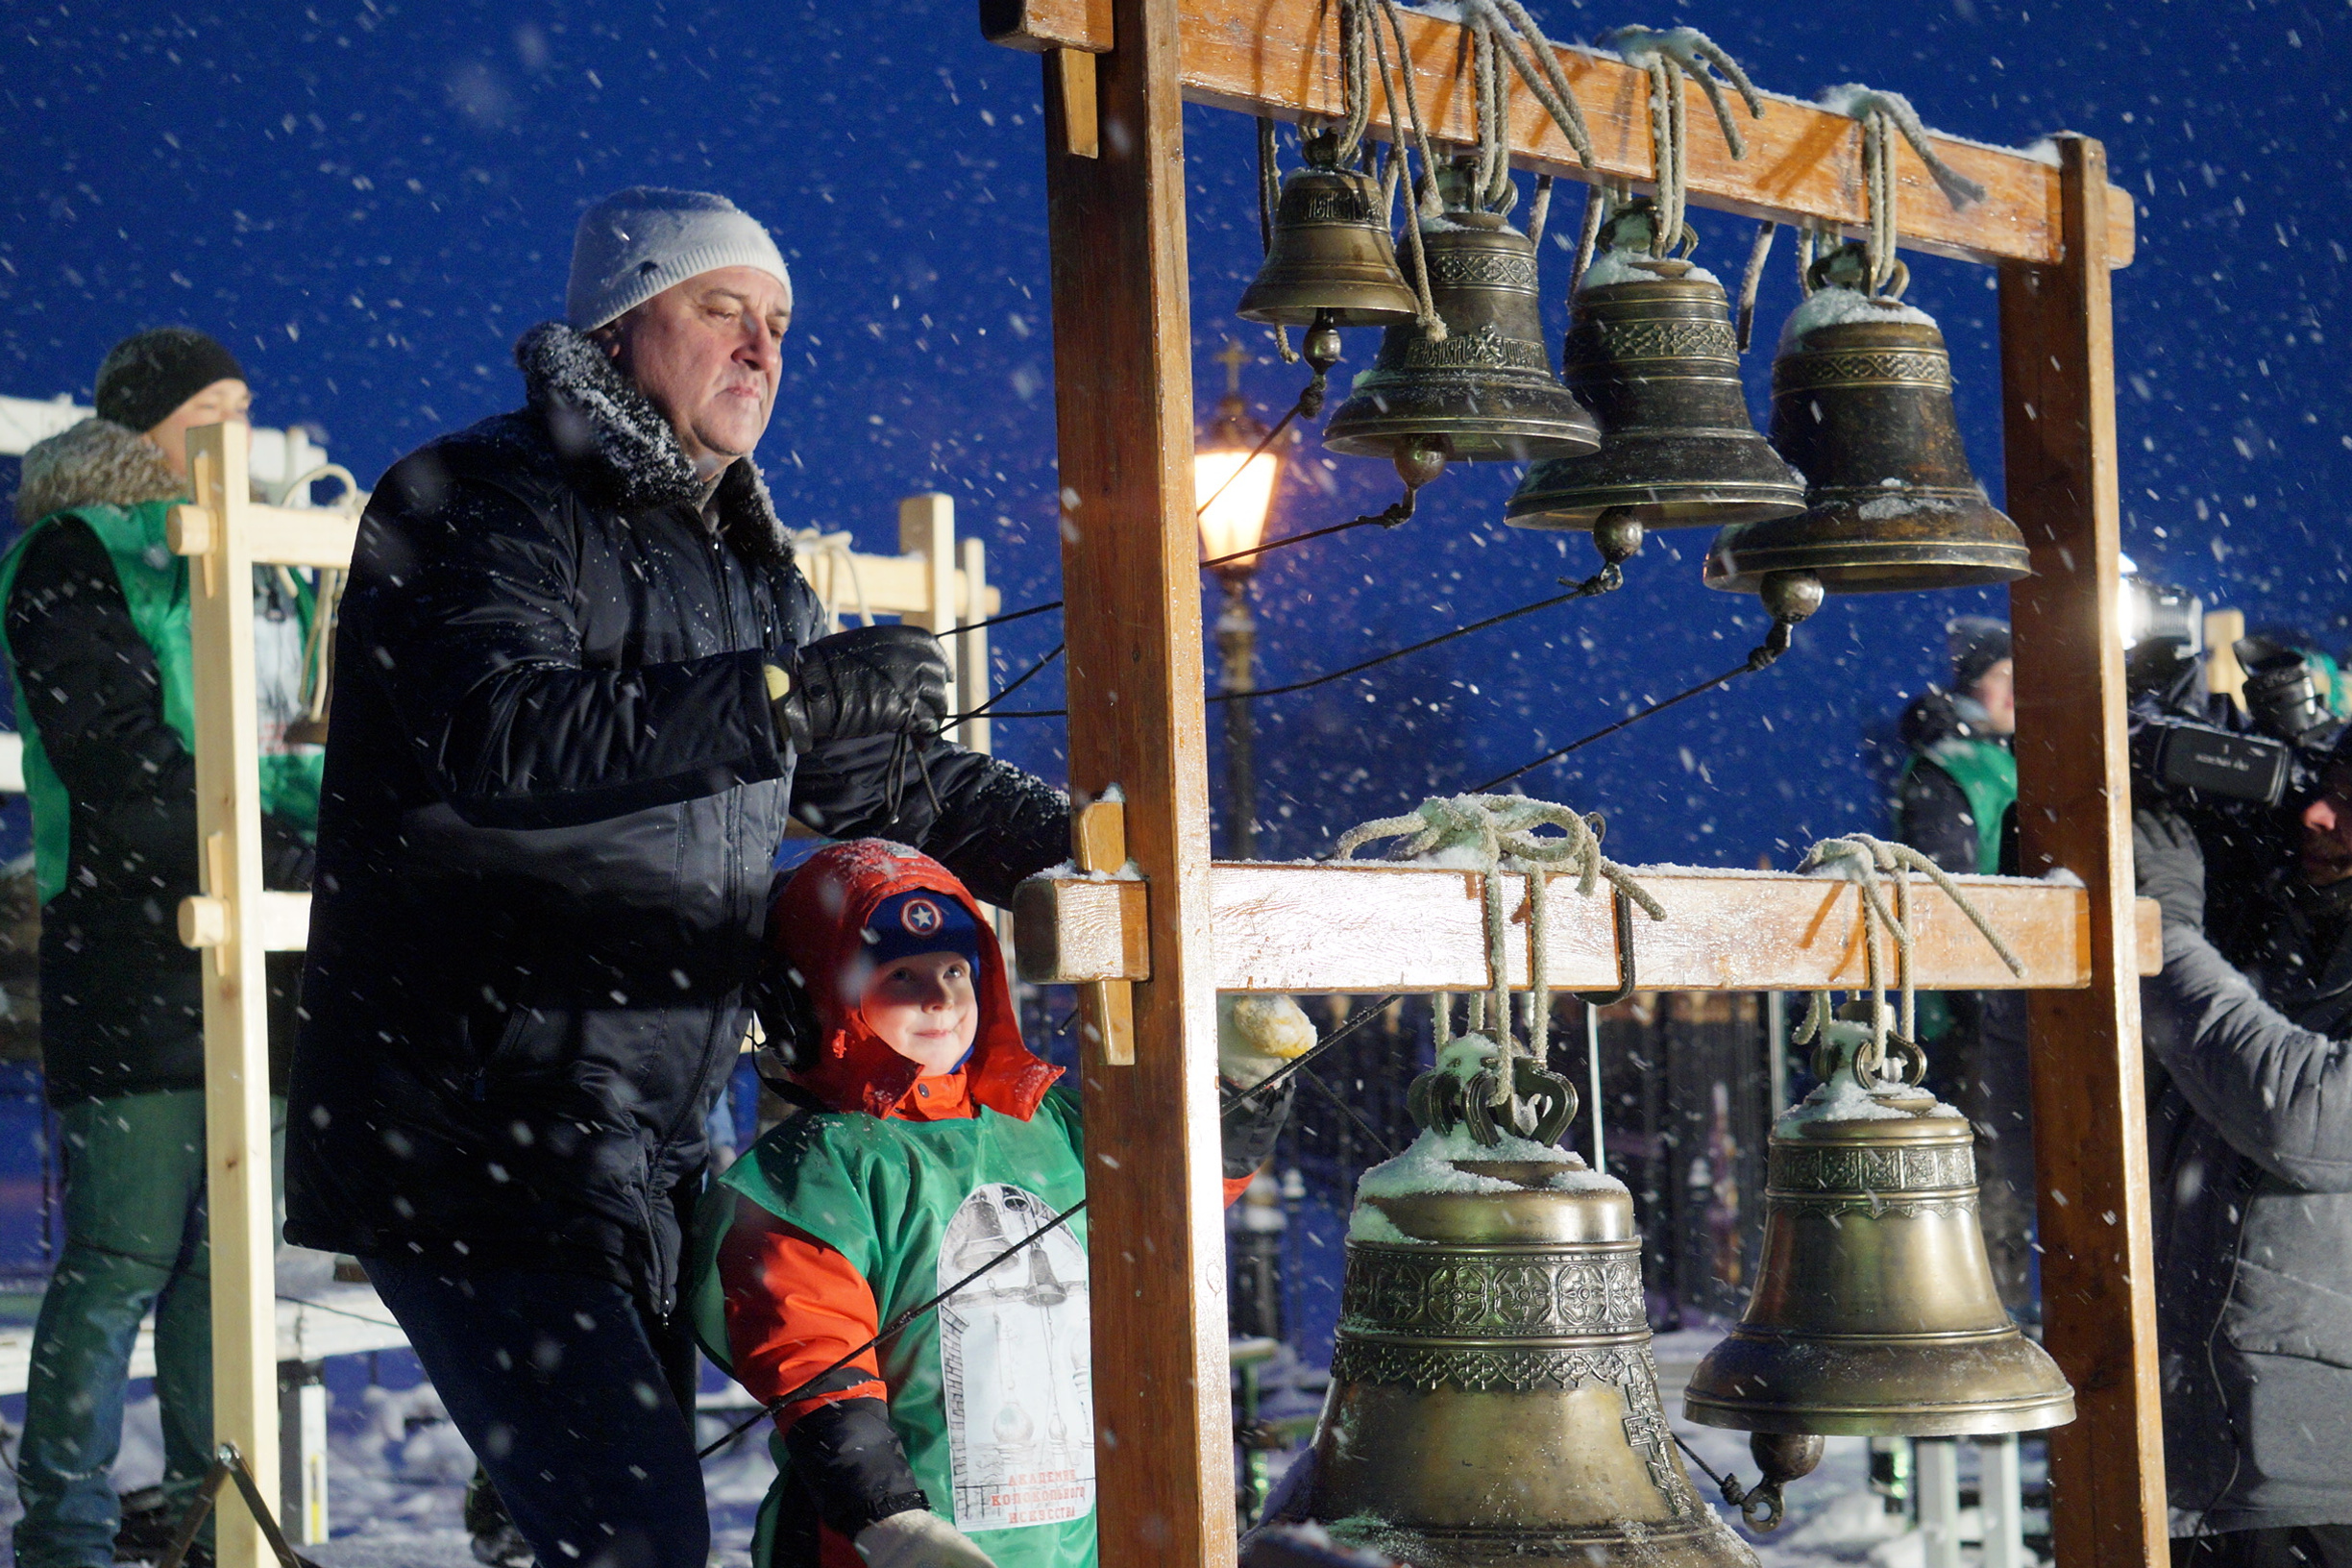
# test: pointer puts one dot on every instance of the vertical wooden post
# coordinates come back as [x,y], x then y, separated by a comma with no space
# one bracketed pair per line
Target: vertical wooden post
[1124,389]
[241,1198]
[2074,812]
[972,656]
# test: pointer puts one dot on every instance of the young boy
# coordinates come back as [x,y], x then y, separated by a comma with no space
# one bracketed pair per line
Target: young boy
[932,1143]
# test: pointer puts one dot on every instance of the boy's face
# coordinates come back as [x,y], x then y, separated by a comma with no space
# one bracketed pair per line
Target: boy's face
[926,1009]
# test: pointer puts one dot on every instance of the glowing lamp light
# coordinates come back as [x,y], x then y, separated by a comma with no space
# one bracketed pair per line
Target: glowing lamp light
[1235,519]
[1234,490]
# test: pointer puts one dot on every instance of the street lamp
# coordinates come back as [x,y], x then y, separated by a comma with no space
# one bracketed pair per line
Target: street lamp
[1234,481]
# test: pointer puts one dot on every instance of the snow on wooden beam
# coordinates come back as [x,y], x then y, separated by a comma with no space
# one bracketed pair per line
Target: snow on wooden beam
[1375,928]
[1280,58]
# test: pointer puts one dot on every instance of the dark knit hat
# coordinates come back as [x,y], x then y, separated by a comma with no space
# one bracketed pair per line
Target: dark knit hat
[920,921]
[147,376]
[1977,642]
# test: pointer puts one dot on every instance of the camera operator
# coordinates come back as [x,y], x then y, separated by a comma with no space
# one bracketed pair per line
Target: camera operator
[2250,1133]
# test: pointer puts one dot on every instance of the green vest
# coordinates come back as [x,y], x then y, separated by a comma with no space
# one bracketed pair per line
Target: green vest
[993,1393]
[1986,773]
[154,585]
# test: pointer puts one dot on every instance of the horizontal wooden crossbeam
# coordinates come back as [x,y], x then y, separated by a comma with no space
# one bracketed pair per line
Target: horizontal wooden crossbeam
[1375,928]
[1279,57]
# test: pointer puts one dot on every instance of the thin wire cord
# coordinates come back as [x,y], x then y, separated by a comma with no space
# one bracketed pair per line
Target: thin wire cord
[1555,755]
[1582,592]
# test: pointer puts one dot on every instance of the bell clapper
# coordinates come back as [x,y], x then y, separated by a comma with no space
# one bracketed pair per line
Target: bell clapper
[1789,597]
[1618,536]
[1321,351]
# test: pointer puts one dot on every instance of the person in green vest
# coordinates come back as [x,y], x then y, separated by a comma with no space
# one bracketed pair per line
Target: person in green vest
[94,626]
[930,1142]
[1957,805]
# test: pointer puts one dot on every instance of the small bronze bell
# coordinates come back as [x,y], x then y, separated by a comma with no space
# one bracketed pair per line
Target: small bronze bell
[1486,391]
[1862,407]
[1331,261]
[1874,1312]
[1650,352]
[1493,1400]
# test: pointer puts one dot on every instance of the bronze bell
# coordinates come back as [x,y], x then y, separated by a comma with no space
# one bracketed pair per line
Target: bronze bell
[1493,1399]
[1650,352]
[1874,1312]
[1331,261]
[1486,391]
[1862,407]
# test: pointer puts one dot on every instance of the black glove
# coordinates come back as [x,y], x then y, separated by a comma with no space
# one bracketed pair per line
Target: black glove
[2169,865]
[868,682]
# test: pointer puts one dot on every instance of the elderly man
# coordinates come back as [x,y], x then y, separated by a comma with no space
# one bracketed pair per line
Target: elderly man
[2250,1135]
[582,686]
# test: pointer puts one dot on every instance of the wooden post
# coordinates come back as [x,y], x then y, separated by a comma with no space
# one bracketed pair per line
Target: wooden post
[2074,812]
[973,652]
[1130,568]
[242,1202]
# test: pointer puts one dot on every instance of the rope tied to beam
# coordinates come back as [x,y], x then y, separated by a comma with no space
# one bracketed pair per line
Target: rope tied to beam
[1495,835]
[1882,114]
[1669,57]
[1863,860]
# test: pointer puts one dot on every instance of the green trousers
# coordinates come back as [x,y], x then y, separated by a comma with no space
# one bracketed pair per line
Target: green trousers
[134,1240]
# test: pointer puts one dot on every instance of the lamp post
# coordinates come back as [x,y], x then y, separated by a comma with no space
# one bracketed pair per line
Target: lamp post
[1236,492]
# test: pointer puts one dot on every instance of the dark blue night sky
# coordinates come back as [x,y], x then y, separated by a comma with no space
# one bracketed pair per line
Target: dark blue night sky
[369,203]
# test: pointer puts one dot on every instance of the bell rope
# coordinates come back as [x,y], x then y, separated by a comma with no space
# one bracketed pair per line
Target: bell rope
[1500,832]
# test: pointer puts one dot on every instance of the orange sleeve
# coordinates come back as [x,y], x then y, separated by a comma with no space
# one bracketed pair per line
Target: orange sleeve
[1235,1186]
[794,1306]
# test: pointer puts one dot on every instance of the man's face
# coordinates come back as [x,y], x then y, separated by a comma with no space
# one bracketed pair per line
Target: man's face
[2327,830]
[709,352]
[224,400]
[1996,692]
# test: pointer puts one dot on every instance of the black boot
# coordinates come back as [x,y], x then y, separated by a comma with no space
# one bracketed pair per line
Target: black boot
[496,1543]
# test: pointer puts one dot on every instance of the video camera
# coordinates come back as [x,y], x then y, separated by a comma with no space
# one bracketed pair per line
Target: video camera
[2193,748]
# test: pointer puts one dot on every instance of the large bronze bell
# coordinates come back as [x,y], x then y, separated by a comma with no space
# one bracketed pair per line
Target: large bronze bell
[1650,352]
[1874,1312]
[1330,260]
[1862,407]
[1494,1398]
[1486,391]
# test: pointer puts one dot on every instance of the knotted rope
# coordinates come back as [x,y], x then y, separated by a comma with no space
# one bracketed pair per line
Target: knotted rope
[1668,57]
[1881,115]
[1500,834]
[1863,860]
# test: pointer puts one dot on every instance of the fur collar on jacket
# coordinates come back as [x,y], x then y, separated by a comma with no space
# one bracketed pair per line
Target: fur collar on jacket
[96,463]
[620,450]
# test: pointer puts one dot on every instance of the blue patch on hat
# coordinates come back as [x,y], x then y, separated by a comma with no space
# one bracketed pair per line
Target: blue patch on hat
[920,921]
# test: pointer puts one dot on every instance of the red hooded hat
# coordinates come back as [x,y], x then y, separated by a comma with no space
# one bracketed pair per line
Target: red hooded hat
[817,925]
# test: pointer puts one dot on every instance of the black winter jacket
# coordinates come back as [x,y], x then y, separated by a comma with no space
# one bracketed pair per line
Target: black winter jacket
[553,796]
[2250,1150]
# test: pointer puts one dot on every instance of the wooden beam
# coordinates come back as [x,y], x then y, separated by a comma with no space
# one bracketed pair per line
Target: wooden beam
[1280,58]
[1130,567]
[240,1196]
[2074,812]
[1374,928]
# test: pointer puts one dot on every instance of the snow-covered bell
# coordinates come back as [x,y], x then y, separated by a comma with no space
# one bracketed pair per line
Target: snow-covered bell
[1874,1312]
[1493,1400]
[1862,407]
[1652,353]
[1484,392]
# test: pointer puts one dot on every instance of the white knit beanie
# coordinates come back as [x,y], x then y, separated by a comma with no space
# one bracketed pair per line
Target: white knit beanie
[637,243]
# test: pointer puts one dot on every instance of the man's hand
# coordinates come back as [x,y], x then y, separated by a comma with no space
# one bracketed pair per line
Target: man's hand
[868,682]
[2170,867]
[919,1538]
